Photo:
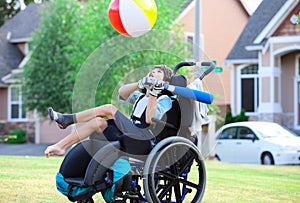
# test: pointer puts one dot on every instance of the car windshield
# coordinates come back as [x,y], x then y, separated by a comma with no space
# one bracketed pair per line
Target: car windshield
[274,130]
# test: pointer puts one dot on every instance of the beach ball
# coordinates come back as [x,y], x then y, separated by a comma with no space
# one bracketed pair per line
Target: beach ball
[132,18]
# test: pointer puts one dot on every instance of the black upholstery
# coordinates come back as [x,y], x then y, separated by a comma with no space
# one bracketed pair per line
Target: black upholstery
[86,163]
[81,153]
[134,145]
[178,80]
[170,122]
[186,107]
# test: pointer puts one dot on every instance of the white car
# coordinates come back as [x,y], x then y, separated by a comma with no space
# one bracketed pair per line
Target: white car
[255,142]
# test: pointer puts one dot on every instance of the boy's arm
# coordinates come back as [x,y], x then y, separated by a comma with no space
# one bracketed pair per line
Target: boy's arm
[127,89]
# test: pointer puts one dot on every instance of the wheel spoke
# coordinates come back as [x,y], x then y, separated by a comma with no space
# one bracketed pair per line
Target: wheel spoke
[177,192]
[167,175]
[189,183]
[165,189]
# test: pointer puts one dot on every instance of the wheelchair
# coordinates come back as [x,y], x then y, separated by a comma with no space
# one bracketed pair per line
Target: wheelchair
[168,169]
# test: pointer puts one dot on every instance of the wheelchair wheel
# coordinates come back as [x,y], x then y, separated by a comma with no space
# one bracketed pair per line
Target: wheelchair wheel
[174,172]
[89,200]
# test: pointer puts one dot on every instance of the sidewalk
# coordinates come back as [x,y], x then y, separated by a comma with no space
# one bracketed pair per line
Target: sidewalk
[27,149]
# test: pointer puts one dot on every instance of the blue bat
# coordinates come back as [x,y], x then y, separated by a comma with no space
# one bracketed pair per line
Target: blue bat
[190,93]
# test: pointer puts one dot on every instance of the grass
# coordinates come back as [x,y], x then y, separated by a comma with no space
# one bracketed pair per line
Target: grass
[32,179]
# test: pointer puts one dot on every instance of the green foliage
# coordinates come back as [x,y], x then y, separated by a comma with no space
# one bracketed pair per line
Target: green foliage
[20,137]
[79,60]
[45,74]
[238,118]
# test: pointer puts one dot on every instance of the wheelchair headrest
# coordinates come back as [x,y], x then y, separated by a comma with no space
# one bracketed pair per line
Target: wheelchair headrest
[178,80]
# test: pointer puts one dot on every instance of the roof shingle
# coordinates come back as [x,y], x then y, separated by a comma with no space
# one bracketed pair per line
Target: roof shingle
[256,23]
[17,29]
[24,23]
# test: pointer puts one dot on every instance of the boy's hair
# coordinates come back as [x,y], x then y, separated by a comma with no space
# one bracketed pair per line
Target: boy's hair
[167,71]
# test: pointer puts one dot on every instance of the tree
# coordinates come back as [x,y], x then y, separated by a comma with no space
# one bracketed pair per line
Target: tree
[80,60]
[45,80]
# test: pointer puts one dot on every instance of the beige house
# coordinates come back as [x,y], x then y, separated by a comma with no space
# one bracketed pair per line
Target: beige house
[265,63]
[221,24]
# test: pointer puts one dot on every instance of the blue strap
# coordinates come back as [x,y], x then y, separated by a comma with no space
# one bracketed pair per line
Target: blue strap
[121,167]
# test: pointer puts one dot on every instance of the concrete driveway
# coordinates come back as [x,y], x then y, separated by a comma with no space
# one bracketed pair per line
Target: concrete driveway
[27,149]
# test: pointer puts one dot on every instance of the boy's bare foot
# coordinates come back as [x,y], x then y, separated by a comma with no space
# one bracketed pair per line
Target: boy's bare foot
[54,150]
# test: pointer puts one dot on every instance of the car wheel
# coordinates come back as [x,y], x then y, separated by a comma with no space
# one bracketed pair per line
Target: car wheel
[267,159]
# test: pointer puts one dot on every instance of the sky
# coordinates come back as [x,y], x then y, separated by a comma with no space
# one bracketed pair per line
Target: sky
[252,4]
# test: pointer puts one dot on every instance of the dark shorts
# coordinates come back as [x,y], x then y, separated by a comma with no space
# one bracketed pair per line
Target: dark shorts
[122,125]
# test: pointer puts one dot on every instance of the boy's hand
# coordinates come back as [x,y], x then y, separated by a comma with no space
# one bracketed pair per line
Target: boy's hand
[147,82]
[157,88]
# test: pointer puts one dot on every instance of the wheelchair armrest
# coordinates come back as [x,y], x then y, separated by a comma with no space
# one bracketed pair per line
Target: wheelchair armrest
[169,125]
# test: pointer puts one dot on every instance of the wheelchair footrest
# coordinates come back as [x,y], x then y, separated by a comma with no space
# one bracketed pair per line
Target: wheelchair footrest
[76,181]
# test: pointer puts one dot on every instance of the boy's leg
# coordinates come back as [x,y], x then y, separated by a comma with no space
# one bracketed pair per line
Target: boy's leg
[64,120]
[79,134]
[104,111]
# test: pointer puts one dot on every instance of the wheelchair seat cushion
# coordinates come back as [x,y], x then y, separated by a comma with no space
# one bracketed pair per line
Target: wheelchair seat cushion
[73,192]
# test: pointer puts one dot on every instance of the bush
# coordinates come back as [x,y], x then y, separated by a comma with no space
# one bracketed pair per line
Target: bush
[238,118]
[20,137]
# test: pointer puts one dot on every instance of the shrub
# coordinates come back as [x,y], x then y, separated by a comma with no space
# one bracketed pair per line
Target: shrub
[238,118]
[20,137]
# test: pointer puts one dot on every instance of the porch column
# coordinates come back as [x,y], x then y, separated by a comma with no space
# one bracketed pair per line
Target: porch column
[37,127]
[269,90]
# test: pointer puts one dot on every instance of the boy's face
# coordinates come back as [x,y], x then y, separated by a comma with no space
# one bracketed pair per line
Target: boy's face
[157,73]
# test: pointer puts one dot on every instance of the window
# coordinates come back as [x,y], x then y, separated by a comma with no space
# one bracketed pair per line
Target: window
[298,66]
[245,133]
[190,42]
[229,133]
[16,110]
[249,88]
[189,39]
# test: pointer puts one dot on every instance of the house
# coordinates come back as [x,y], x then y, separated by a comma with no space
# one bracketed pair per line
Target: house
[220,28]
[221,23]
[265,63]
[14,53]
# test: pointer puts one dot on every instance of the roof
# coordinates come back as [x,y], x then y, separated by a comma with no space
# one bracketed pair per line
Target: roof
[186,4]
[16,30]
[23,24]
[10,56]
[256,23]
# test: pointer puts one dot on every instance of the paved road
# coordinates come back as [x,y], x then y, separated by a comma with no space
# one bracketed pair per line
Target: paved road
[27,149]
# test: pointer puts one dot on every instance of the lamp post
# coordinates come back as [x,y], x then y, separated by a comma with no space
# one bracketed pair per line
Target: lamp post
[197,38]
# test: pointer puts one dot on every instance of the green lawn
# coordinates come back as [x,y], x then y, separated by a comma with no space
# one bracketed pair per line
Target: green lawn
[32,179]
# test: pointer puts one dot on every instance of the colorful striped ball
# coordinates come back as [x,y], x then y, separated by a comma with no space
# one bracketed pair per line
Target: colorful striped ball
[132,18]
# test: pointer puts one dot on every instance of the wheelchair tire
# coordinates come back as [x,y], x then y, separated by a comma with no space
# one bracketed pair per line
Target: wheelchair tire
[174,172]
[89,200]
